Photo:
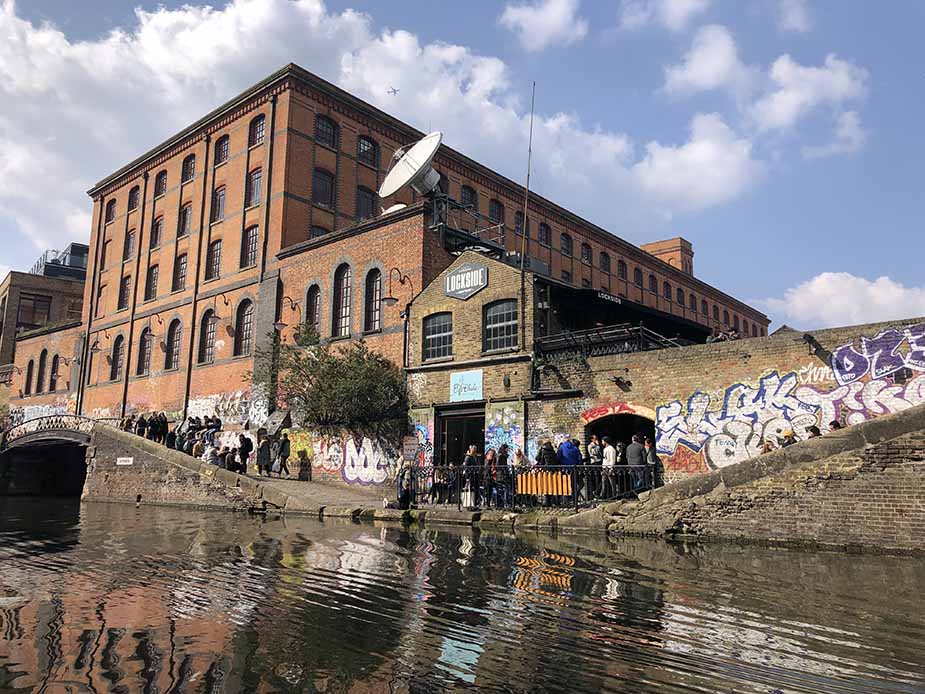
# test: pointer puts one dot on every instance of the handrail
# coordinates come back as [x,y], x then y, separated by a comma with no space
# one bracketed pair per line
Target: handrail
[57,422]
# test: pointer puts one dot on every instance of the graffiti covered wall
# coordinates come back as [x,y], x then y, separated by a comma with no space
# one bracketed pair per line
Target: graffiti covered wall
[504,425]
[343,458]
[233,408]
[422,423]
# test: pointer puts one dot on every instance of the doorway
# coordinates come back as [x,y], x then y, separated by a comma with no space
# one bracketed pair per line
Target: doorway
[621,427]
[457,431]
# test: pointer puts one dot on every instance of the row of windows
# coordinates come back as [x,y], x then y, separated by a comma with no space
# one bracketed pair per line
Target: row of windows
[324,193]
[53,376]
[342,302]
[499,330]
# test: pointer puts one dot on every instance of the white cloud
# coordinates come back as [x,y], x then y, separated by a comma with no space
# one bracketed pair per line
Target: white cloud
[798,90]
[545,23]
[714,166]
[711,63]
[674,15]
[849,137]
[840,298]
[793,16]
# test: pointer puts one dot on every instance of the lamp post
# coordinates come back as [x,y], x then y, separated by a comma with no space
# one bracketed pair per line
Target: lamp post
[390,300]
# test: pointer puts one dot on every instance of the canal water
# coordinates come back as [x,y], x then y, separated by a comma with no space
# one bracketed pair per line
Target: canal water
[113,598]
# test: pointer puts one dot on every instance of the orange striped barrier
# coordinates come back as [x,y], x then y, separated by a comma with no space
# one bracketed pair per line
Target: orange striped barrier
[544,482]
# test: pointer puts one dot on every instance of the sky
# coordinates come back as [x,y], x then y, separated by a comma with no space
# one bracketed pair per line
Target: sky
[783,138]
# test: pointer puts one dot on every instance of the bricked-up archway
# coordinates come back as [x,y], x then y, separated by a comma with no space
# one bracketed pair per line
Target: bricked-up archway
[619,420]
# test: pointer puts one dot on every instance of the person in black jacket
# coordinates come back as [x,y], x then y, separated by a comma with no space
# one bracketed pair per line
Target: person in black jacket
[245,448]
[285,448]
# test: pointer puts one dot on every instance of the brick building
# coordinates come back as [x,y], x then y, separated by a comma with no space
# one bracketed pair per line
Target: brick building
[264,213]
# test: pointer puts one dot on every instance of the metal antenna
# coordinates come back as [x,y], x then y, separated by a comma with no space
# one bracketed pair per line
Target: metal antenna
[525,228]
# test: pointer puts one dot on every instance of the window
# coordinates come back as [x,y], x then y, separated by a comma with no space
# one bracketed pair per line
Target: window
[128,246]
[323,188]
[252,188]
[214,260]
[500,325]
[104,254]
[444,184]
[340,325]
[566,275]
[368,152]
[185,225]
[438,336]
[133,197]
[188,170]
[143,368]
[34,311]
[173,342]
[249,247]
[366,203]
[666,291]
[244,328]
[735,323]
[679,297]
[653,284]
[637,277]
[716,313]
[218,205]
[115,359]
[692,303]
[313,307]
[100,291]
[207,337]
[704,308]
[151,283]
[587,255]
[565,244]
[726,318]
[316,232]
[519,224]
[745,327]
[157,232]
[125,288]
[179,273]
[110,211]
[326,132]
[585,283]
[256,131]
[160,184]
[53,377]
[545,234]
[605,262]
[29,369]
[43,364]
[496,211]
[222,147]
[372,320]
[468,197]
[754,330]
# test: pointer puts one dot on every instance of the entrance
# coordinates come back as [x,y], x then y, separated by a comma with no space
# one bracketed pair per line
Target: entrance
[457,430]
[621,427]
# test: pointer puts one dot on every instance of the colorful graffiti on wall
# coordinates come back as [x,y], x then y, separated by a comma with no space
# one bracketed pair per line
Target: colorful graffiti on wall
[884,354]
[235,407]
[504,425]
[19,415]
[422,423]
[366,462]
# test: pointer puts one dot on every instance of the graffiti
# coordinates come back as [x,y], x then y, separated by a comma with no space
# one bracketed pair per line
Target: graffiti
[19,415]
[369,463]
[594,413]
[417,382]
[885,353]
[733,429]
[236,407]
[422,423]
[814,373]
[504,425]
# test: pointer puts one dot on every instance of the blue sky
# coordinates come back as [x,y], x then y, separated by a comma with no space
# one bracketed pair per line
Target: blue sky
[782,137]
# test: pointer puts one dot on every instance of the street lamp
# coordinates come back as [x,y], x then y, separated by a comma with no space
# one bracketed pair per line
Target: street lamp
[403,279]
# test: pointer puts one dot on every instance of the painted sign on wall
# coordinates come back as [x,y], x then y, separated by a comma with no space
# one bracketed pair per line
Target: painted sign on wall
[465,281]
[466,385]
[504,425]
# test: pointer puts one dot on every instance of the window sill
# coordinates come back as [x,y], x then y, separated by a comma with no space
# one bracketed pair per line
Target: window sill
[148,301]
[211,279]
[132,209]
[375,331]
[159,196]
[173,370]
[121,309]
[240,357]
[323,206]
[177,290]
[438,360]
[251,266]
[251,206]
[182,236]
[219,165]
[326,146]
[213,222]
[154,248]
[255,145]
[339,338]
[188,180]
[501,350]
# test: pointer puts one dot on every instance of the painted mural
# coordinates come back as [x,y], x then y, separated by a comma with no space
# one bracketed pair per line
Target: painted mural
[19,415]
[504,425]
[881,375]
[233,407]
[422,423]
[365,462]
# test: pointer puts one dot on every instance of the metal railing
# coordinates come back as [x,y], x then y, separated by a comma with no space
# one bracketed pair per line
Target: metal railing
[57,422]
[612,339]
[566,486]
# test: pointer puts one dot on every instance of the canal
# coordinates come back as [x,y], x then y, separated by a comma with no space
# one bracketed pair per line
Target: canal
[113,598]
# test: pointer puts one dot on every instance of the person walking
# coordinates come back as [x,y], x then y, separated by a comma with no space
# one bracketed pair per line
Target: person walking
[285,449]
[595,460]
[263,456]
[245,448]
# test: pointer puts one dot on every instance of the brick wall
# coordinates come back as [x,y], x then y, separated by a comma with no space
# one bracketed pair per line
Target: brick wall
[52,396]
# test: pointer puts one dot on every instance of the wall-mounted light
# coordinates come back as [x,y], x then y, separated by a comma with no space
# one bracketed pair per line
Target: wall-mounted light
[403,279]
[507,381]
[623,384]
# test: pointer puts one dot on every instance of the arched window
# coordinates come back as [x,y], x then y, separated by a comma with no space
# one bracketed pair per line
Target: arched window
[160,184]
[637,277]
[735,323]
[366,203]
[188,170]
[745,327]
[565,244]
[368,151]
[313,307]
[249,246]
[653,284]
[666,291]
[704,308]
[125,289]
[605,262]
[133,197]
[244,328]
[438,336]
[496,211]
[151,283]
[218,205]
[128,245]
[29,369]
[145,343]
[256,131]
[207,337]
[544,234]
[754,330]
[157,232]
[679,297]
[115,359]
[499,325]
[372,319]
[53,377]
[692,303]
[621,270]
[340,323]
[222,148]
[468,197]
[726,318]
[252,188]
[173,344]
[186,221]
[214,260]
[519,224]
[323,188]
[326,132]
[40,380]
[110,211]
[587,255]
[179,273]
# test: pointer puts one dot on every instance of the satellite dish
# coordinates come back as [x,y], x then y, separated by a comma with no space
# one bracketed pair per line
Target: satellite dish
[395,208]
[414,168]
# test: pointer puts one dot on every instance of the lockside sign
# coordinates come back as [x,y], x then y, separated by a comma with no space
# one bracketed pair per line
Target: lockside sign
[466,281]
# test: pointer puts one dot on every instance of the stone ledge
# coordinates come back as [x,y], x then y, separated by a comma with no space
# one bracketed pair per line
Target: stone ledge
[454,517]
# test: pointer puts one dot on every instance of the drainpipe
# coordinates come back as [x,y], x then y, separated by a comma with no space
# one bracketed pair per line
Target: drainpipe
[94,279]
[139,244]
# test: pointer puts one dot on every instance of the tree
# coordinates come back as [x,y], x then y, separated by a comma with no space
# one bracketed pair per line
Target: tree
[334,389]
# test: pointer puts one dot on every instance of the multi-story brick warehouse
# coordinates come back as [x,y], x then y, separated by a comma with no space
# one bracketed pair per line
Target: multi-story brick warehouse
[264,212]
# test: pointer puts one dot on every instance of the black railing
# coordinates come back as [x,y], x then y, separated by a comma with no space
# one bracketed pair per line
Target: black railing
[506,488]
[611,339]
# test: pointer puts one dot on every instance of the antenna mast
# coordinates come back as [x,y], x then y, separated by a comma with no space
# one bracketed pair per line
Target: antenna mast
[526,224]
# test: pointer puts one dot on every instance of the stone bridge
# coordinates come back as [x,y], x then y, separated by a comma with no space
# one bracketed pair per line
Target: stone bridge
[53,428]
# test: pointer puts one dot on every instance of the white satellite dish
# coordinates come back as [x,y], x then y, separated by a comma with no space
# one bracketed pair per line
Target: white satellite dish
[395,208]
[414,168]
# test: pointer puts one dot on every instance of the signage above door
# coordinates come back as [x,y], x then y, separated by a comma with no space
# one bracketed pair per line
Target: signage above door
[466,280]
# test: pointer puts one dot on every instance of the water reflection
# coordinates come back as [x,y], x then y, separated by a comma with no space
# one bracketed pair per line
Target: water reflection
[110,598]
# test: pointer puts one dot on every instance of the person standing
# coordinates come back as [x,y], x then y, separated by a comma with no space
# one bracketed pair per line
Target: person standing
[245,448]
[285,449]
[473,480]
[595,459]
[636,460]
[263,456]
[608,465]
[654,464]
[141,426]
